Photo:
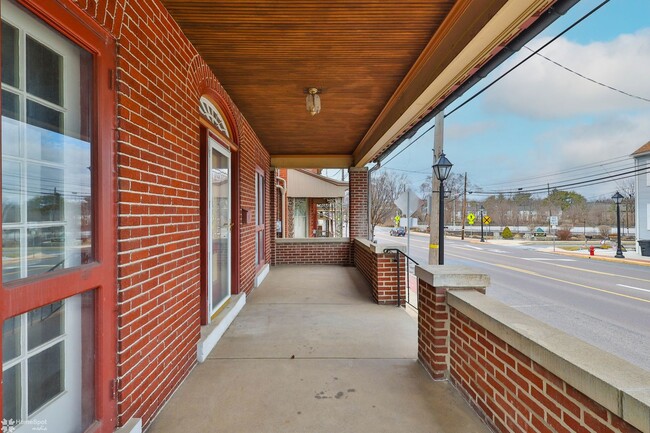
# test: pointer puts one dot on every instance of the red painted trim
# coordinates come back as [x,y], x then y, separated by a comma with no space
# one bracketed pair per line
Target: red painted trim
[261,249]
[101,275]
[204,222]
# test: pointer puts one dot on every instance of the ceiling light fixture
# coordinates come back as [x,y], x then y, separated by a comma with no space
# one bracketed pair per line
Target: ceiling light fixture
[313,101]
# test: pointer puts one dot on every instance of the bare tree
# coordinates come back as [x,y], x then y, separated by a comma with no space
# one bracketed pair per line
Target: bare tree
[384,190]
[628,209]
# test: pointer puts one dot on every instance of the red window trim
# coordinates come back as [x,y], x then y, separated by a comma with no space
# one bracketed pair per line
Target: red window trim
[100,275]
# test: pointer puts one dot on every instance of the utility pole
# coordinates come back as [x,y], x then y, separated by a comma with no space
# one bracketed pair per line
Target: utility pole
[462,230]
[434,239]
[548,188]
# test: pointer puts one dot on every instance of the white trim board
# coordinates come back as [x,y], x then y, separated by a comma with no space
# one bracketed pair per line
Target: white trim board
[212,333]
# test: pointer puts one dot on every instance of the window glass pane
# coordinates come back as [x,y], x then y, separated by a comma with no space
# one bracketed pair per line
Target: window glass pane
[44,193]
[12,178]
[44,72]
[9,55]
[46,119]
[10,105]
[45,324]
[10,124]
[11,393]
[47,155]
[45,250]
[10,255]
[10,339]
[45,379]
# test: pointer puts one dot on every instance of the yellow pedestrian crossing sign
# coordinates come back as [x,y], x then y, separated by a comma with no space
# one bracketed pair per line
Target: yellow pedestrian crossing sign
[471,218]
[487,219]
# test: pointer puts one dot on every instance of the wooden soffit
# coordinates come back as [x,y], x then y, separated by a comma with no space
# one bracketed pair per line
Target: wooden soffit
[381,65]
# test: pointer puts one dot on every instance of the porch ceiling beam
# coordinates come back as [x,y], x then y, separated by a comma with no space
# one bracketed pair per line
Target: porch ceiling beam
[426,85]
[311,161]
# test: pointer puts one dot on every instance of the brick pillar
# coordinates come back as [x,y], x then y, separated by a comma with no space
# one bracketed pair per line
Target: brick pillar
[358,208]
[358,203]
[433,312]
[273,212]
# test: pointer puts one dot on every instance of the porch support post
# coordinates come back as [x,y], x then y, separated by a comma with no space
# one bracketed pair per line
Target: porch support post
[273,213]
[433,312]
[358,207]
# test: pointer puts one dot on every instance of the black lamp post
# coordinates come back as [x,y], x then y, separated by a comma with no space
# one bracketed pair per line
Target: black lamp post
[619,250]
[441,169]
[482,212]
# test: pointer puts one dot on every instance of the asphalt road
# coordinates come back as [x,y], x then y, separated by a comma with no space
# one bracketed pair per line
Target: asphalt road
[604,303]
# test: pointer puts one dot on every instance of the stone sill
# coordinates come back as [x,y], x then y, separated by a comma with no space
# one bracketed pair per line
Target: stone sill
[376,248]
[619,386]
[452,277]
[290,241]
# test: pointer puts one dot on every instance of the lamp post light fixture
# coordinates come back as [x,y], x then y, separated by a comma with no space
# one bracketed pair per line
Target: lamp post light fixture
[482,212]
[619,250]
[441,170]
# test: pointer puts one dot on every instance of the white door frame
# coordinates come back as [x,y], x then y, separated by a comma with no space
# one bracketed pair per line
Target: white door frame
[214,144]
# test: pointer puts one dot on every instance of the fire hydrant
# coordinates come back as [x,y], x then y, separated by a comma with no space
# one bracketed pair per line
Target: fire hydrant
[592,250]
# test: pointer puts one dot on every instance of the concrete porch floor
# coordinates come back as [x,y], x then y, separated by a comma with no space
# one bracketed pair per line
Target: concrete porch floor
[310,352]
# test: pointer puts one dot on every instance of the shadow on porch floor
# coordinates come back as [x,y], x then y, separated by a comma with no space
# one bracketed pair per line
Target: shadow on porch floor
[310,352]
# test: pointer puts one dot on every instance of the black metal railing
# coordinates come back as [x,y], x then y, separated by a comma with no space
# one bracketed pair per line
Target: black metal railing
[409,260]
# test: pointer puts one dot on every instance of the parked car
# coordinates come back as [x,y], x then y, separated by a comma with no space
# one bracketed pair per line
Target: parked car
[398,231]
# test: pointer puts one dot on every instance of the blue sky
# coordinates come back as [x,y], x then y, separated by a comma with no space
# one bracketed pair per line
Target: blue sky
[541,123]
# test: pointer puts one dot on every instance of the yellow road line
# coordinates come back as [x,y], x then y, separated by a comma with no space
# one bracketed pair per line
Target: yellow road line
[524,271]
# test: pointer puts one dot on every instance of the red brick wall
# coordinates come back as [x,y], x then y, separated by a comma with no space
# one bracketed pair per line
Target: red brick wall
[433,329]
[312,253]
[159,80]
[252,155]
[508,390]
[381,272]
[516,394]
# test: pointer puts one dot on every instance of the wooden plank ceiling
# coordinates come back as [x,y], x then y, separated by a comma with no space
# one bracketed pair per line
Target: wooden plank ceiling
[266,53]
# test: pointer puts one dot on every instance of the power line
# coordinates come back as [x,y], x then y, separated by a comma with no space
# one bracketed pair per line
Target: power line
[471,98]
[500,77]
[589,182]
[590,79]
[615,160]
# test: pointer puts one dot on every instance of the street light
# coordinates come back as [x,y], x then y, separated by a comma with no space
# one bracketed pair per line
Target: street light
[619,250]
[441,170]
[482,212]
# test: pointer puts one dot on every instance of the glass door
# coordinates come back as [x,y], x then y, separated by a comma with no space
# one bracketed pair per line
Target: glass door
[220,226]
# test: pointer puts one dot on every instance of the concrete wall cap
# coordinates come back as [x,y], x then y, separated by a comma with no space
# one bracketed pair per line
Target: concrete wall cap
[619,386]
[377,248]
[358,169]
[289,241]
[452,276]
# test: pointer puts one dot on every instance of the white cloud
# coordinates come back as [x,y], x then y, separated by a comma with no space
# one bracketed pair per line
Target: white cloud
[466,130]
[541,90]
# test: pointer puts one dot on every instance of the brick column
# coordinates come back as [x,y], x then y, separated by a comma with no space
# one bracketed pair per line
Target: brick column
[358,208]
[358,203]
[433,312]
[273,211]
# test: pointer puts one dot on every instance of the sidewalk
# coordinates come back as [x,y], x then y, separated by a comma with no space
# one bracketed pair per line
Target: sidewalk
[310,352]
[608,254]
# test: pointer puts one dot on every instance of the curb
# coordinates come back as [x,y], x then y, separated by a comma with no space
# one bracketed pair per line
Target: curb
[604,259]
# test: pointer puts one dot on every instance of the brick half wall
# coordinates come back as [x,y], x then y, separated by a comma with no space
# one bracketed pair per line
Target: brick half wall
[312,251]
[522,375]
[380,269]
